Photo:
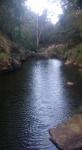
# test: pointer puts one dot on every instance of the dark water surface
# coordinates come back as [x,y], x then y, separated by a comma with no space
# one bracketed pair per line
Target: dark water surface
[34,99]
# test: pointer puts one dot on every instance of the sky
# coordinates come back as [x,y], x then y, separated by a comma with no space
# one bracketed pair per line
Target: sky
[53,8]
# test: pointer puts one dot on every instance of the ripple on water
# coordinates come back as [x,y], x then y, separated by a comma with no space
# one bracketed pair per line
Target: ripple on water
[33,100]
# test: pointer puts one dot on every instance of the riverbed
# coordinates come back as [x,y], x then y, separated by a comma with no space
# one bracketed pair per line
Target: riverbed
[34,99]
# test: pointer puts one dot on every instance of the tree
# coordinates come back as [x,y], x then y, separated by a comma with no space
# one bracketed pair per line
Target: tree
[41,25]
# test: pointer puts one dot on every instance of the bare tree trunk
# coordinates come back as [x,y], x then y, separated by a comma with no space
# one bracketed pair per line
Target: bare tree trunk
[37,36]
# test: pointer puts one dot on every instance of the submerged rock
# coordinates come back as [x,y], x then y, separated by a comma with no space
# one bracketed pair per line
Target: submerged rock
[70,83]
[68,135]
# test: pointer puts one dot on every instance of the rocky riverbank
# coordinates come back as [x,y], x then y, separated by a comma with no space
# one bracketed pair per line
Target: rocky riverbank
[11,54]
[73,56]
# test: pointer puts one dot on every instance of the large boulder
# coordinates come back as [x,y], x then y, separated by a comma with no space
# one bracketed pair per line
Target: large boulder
[68,135]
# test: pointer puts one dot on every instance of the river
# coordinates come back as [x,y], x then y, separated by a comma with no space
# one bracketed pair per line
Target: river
[34,99]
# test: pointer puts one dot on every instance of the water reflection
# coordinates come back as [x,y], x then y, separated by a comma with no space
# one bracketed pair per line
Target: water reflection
[33,100]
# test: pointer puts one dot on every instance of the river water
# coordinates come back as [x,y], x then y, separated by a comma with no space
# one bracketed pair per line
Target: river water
[34,99]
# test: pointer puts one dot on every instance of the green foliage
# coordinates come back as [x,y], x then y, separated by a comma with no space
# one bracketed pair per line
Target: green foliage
[21,25]
[17,22]
[77,53]
[4,56]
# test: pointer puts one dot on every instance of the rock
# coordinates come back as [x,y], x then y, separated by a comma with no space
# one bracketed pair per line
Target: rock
[68,135]
[70,83]
[16,64]
[80,65]
[68,62]
[74,63]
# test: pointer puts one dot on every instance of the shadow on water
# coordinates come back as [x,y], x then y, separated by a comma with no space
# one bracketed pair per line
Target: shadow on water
[74,92]
[34,99]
